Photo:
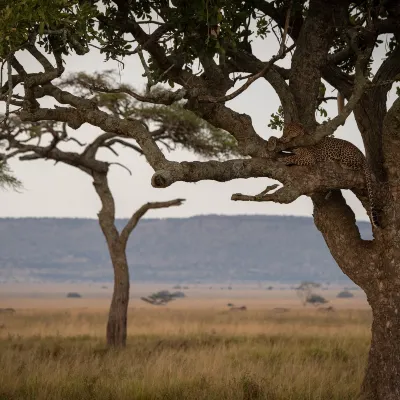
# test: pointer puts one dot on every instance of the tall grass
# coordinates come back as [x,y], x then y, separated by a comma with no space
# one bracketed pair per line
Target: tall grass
[185,354]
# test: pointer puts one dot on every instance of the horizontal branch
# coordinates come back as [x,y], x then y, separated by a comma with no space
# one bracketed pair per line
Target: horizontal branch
[221,171]
[131,128]
[285,195]
[297,180]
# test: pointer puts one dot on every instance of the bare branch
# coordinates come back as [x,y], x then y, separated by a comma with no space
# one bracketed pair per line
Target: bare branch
[133,221]
[285,195]
[46,64]
[126,144]
[122,166]
[268,65]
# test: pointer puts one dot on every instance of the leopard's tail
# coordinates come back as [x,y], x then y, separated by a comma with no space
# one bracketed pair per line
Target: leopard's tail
[374,212]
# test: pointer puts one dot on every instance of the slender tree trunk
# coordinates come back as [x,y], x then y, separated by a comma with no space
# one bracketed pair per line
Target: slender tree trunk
[118,315]
[382,377]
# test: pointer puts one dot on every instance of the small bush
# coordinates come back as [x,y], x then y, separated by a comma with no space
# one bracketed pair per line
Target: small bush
[316,299]
[344,295]
[73,295]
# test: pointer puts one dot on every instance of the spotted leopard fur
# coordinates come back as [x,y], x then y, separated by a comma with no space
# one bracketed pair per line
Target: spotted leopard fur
[292,130]
[339,150]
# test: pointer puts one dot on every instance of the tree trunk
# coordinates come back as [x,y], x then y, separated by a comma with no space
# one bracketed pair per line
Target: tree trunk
[118,315]
[382,377]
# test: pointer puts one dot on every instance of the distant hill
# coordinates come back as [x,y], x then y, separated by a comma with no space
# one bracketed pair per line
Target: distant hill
[207,248]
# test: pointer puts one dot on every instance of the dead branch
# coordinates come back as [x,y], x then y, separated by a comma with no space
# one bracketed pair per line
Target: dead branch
[133,221]
[122,166]
[285,195]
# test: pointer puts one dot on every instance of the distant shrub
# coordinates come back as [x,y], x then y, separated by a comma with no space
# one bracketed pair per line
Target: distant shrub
[163,297]
[73,295]
[344,295]
[177,287]
[316,299]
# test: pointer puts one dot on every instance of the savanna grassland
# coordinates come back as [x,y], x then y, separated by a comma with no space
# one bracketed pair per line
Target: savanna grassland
[188,350]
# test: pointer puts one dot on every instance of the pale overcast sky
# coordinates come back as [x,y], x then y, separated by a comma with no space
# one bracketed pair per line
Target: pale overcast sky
[63,191]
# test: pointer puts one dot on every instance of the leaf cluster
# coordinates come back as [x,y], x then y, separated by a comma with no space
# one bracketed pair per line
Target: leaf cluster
[62,25]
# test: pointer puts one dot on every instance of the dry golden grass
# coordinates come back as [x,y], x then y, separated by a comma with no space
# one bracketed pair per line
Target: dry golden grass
[184,354]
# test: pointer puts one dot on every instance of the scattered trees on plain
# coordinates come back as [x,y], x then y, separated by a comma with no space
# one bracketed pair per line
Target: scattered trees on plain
[205,49]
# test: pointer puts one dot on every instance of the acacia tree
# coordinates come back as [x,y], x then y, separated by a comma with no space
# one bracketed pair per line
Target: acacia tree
[329,42]
[46,139]
[7,179]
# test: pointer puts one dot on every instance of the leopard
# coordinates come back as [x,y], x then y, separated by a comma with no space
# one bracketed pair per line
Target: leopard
[292,130]
[339,150]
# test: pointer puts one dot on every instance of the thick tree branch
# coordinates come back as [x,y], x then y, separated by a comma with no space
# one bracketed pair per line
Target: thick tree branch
[337,223]
[133,221]
[53,153]
[299,180]
[371,110]
[129,128]
[331,126]
[310,56]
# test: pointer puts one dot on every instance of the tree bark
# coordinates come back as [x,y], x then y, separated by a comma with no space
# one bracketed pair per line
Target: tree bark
[118,315]
[382,377]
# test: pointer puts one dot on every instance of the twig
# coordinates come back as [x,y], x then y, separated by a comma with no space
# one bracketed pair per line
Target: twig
[121,165]
[150,81]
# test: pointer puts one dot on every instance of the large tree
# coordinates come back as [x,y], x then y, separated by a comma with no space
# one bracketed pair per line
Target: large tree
[328,43]
[51,140]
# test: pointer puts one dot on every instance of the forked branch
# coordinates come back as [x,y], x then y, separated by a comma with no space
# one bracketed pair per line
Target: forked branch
[285,195]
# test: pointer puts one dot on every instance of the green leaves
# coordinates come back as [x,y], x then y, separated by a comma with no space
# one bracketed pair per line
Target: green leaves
[59,23]
[276,120]
[7,179]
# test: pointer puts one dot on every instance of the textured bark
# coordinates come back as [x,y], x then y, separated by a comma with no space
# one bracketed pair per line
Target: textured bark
[118,314]
[313,43]
[382,377]
[116,242]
